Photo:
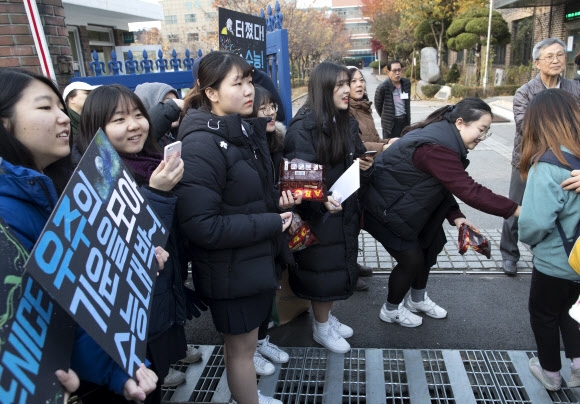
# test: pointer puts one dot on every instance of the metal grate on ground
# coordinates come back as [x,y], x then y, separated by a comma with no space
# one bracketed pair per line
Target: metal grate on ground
[380,376]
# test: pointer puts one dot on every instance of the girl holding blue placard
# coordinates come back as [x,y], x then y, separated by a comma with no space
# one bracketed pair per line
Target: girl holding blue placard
[124,119]
[34,169]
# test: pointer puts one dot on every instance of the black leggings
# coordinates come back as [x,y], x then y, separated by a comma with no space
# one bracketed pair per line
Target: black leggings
[411,270]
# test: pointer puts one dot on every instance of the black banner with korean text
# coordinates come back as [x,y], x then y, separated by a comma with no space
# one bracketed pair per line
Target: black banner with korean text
[244,35]
[36,335]
[96,255]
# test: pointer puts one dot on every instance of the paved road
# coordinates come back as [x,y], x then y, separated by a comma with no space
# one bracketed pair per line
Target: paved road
[487,309]
[478,354]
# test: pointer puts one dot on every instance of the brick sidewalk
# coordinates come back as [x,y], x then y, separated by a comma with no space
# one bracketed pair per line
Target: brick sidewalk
[373,254]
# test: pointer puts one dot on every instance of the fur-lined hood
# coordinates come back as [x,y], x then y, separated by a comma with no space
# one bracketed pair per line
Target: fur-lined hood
[280,129]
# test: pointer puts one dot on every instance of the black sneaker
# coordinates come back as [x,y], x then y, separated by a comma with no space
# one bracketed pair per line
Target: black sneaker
[364,270]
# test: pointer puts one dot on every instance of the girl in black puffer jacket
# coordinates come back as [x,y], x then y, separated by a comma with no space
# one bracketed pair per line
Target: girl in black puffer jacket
[323,132]
[227,208]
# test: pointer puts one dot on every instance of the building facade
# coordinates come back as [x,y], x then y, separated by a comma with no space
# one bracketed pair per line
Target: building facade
[545,19]
[103,26]
[189,24]
[73,29]
[358,27]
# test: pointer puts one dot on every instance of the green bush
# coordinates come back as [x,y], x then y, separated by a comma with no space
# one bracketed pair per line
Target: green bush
[429,90]
[459,91]
[453,74]
[505,90]
[374,65]
[416,72]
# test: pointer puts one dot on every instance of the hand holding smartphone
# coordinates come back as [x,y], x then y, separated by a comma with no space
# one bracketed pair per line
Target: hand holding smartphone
[369,153]
[170,150]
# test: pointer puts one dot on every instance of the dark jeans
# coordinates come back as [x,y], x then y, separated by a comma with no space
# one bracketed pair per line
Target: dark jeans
[398,127]
[410,271]
[550,300]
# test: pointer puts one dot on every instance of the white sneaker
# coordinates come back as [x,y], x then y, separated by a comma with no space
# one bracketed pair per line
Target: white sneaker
[263,367]
[272,352]
[343,330]
[574,311]
[267,400]
[400,316]
[329,338]
[427,306]
[174,378]
[192,355]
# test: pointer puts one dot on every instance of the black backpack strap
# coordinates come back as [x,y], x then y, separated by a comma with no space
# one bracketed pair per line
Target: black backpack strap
[550,157]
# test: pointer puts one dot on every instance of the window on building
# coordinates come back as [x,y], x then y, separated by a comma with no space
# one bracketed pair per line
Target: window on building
[499,54]
[173,38]
[190,18]
[360,43]
[170,19]
[521,46]
[211,16]
[192,37]
[100,36]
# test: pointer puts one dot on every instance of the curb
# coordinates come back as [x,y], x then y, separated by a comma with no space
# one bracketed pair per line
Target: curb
[299,97]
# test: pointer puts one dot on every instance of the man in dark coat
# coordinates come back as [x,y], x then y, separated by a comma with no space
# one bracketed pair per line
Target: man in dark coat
[393,102]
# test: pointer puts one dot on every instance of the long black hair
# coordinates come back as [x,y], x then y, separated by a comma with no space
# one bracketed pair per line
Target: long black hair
[13,82]
[469,109]
[100,107]
[333,143]
[263,97]
[213,69]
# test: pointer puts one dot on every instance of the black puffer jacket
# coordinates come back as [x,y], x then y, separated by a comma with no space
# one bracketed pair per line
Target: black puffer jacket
[168,306]
[226,205]
[326,271]
[385,105]
[403,197]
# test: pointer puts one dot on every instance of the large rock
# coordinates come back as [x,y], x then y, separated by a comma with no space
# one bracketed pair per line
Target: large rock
[430,71]
[444,93]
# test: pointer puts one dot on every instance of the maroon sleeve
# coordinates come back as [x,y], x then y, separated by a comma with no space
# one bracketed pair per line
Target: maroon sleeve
[445,165]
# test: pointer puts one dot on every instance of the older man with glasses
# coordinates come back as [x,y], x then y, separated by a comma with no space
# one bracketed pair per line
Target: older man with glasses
[550,58]
[393,102]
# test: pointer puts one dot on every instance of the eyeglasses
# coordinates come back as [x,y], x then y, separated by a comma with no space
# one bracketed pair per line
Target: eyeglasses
[268,109]
[484,134]
[397,70]
[550,58]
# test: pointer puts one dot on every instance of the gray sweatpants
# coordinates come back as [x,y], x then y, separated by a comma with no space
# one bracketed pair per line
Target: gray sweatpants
[509,232]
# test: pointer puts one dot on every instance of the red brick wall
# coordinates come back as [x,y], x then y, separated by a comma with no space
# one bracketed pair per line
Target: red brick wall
[17,44]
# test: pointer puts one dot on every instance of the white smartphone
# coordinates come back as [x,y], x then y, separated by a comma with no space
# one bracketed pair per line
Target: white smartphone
[170,150]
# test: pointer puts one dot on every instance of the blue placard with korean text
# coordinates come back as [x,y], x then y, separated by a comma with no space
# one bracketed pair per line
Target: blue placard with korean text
[36,335]
[244,35]
[96,255]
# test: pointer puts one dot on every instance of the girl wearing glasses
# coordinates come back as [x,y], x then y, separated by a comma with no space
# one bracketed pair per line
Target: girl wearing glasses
[411,194]
[266,107]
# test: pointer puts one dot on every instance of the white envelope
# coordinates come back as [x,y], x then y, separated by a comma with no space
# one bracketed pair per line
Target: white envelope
[347,184]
